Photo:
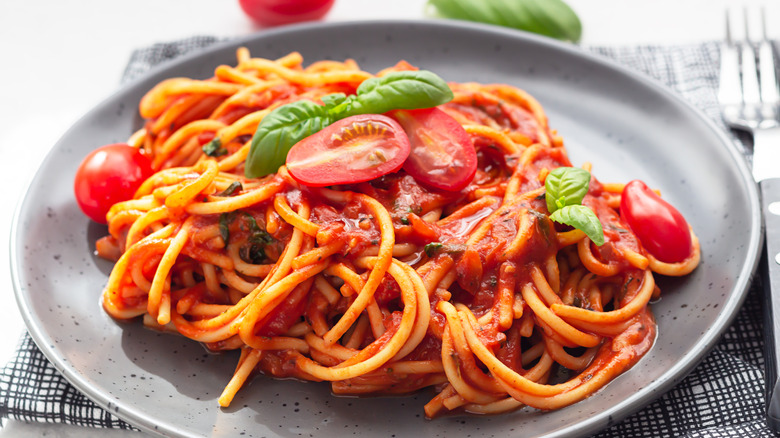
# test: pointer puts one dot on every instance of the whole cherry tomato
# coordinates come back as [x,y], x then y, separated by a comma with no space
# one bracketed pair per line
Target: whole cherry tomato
[108,175]
[354,149]
[662,230]
[276,12]
[442,154]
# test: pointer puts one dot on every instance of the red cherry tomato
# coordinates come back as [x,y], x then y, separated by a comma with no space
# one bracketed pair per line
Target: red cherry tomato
[355,149]
[108,175]
[662,230]
[275,12]
[442,154]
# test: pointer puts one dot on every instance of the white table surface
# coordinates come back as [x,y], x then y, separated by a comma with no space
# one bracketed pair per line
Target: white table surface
[60,58]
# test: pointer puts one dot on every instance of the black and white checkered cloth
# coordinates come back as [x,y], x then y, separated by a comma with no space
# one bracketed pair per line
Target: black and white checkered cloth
[722,397]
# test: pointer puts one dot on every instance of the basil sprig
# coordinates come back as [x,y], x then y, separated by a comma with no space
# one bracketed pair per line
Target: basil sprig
[553,18]
[565,188]
[403,90]
[291,123]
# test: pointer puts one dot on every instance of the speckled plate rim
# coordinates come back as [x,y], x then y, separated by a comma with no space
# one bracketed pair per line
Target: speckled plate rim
[588,425]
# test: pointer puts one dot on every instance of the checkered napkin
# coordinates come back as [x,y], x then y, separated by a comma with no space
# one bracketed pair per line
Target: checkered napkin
[722,397]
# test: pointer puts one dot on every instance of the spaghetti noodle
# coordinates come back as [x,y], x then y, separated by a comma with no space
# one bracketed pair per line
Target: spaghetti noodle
[382,287]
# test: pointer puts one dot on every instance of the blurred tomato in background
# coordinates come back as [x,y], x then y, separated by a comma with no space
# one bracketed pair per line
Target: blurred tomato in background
[276,12]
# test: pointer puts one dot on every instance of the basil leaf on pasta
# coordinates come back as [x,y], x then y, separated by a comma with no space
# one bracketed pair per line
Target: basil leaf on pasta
[565,186]
[401,90]
[581,218]
[285,126]
[331,100]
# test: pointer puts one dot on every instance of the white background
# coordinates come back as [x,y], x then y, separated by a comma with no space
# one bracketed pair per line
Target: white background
[60,58]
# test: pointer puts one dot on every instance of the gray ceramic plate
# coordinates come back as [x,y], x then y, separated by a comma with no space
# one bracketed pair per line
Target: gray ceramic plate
[627,126]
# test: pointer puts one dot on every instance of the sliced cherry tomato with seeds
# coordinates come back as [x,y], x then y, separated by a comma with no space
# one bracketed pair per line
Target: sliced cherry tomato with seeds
[442,153]
[662,230]
[352,150]
[108,175]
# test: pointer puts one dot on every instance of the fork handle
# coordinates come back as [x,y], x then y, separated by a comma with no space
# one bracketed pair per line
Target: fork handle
[770,279]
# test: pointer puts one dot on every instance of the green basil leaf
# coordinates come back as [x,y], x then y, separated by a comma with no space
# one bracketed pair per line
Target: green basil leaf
[235,185]
[432,248]
[279,131]
[214,148]
[252,253]
[257,235]
[581,218]
[556,19]
[224,225]
[553,18]
[404,90]
[482,11]
[254,250]
[566,186]
[344,108]
[331,100]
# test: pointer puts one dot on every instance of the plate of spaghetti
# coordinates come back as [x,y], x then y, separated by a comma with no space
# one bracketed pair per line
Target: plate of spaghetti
[388,228]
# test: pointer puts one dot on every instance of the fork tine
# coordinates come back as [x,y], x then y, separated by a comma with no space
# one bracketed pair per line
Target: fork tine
[763,24]
[730,88]
[751,94]
[768,75]
[729,39]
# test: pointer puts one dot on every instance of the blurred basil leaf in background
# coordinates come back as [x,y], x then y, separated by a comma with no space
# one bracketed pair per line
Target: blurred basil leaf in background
[553,18]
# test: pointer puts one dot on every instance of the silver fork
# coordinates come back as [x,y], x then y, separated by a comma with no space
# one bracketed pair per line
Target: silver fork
[748,93]
[749,99]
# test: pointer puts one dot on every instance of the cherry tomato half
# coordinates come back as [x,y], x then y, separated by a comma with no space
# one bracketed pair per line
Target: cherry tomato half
[662,230]
[442,154]
[275,12]
[108,175]
[354,149]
